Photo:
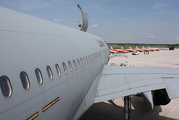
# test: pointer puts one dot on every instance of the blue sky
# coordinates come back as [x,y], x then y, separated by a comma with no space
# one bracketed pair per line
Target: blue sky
[115,21]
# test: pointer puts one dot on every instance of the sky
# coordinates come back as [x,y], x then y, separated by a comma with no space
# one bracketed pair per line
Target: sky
[115,21]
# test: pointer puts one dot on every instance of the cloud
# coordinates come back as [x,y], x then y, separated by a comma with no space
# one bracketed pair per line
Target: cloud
[128,34]
[152,36]
[159,5]
[176,38]
[96,25]
[132,37]
[105,23]
[59,21]
[140,31]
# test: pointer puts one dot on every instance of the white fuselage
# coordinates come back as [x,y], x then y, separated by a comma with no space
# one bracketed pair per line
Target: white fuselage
[27,43]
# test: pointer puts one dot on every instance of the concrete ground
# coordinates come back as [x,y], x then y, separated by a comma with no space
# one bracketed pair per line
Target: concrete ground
[161,59]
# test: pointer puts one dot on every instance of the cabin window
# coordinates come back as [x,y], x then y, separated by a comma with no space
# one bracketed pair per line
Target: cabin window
[58,69]
[75,64]
[90,58]
[39,75]
[84,61]
[5,86]
[81,62]
[78,63]
[25,80]
[70,66]
[50,73]
[65,68]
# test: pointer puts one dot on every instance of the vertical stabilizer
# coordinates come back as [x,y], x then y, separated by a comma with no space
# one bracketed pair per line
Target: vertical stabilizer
[83,23]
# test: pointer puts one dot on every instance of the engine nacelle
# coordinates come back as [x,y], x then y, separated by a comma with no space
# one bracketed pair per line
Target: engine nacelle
[160,97]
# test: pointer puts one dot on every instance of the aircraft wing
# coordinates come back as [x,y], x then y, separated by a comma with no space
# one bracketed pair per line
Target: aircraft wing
[118,81]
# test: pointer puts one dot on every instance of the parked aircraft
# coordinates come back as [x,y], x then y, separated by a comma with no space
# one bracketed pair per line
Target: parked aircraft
[113,52]
[143,48]
[129,50]
[140,50]
[150,49]
[154,49]
[39,81]
[118,50]
[136,49]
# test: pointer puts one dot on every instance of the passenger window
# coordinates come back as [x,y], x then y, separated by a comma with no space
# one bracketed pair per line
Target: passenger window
[5,86]
[70,66]
[39,75]
[75,64]
[50,73]
[81,61]
[78,63]
[65,67]
[25,80]
[58,69]
[84,60]
[89,58]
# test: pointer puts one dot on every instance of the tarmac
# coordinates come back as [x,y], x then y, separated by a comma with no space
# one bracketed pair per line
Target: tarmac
[161,59]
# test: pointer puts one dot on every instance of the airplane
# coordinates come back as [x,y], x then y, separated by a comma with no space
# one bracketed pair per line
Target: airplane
[113,52]
[155,49]
[39,81]
[129,50]
[118,50]
[140,50]
[136,49]
[143,48]
[150,49]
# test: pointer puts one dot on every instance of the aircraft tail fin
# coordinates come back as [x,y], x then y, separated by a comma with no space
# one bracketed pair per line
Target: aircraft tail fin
[111,48]
[122,48]
[83,23]
[137,47]
[130,47]
[143,47]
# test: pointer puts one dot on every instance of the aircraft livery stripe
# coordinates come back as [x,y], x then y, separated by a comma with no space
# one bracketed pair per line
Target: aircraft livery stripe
[33,116]
[50,104]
